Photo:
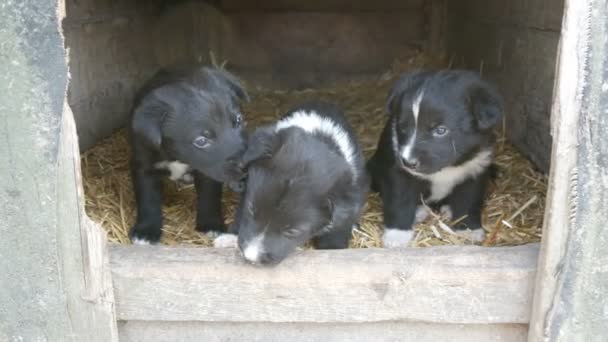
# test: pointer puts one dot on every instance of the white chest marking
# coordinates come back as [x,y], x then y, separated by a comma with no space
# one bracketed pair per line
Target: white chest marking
[254,249]
[177,169]
[311,122]
[444,180]
[406,151]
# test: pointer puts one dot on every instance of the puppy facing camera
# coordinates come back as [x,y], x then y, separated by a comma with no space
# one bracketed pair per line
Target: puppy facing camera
[187,125]
[305,181]
[437,146]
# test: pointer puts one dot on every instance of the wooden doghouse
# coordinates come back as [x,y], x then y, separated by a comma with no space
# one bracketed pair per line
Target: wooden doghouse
[60,281]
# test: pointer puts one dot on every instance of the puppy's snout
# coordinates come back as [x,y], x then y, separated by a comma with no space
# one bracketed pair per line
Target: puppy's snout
[411,163]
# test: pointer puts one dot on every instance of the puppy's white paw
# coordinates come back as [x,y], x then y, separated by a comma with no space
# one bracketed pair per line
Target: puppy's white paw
[393,238]
[212,234]
[475,235]
[187,178]
[446,212]
[140,242]
[421,213]
[226,241]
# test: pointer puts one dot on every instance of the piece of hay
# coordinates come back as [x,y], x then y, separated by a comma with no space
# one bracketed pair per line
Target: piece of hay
[517,195]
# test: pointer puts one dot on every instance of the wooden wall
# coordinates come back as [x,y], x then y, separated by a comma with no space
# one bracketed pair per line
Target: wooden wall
[515,45]
[299,44]
[114,46]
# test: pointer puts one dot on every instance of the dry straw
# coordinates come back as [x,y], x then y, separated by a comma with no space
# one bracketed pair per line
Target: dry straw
[513,213]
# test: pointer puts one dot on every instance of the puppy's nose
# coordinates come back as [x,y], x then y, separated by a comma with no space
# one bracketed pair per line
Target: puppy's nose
[267,259]
[411,163]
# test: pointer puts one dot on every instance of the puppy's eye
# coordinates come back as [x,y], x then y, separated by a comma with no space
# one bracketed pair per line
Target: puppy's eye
[238,120]
[440,131]
[201,142]
[291,233]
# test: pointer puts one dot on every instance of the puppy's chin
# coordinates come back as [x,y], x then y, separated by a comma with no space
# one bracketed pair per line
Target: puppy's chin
[215,173]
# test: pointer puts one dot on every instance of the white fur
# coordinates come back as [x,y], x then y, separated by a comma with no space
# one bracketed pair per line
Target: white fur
[475,235]
[446,212]
[393,238]
[444,180]
[254,249]
[416,106]
[177,169]
[226,241]
[421,213]
[311,122]
[212,234]
[406,152]
[141,242]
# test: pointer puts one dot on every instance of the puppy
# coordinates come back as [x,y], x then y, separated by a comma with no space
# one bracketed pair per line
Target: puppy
[436,146]
[306,180]
[186,123]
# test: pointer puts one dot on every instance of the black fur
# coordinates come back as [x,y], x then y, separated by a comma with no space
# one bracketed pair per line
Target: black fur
[300,187]
[468,108]
[172,109]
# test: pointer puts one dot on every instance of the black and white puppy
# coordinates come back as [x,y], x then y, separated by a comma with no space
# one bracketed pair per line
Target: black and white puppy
[306,180]
[187,123]
[436,146]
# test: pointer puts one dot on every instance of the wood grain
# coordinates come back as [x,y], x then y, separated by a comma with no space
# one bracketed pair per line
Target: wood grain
[570,302]
[472,285]
[135,331]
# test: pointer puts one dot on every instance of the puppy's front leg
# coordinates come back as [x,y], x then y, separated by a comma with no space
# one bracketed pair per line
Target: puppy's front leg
[467,199]
[345,211]
[230,240]
[147,184]
[399,193]
[337,238]
[209,218]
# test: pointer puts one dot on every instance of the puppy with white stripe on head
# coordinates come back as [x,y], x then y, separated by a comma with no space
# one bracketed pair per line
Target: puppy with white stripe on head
[306,179]
[436,147]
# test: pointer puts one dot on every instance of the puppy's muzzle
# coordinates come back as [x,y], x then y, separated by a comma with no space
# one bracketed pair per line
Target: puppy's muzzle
[411,163]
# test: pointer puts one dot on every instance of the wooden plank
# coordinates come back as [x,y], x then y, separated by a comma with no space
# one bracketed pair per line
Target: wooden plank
[137,331]
[570,302]
[320,5]
[82,251]
[445,285]
[437,27]
[55,281]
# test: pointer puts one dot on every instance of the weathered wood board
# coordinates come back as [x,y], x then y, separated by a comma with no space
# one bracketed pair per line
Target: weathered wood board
[570,301]
[53,262]
[138,331]
[471,285]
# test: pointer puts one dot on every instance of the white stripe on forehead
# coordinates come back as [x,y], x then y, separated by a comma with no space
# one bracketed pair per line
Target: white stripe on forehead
[311,122]
[406,152]
[416,106]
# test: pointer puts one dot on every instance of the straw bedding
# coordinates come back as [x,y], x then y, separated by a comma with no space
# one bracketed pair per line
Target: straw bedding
[512,216]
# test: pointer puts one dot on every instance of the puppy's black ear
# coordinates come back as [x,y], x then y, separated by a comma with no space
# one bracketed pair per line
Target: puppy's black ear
[486,105]
[227,80]
[408,84]
[340,200]
[261,144]
[147,123]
